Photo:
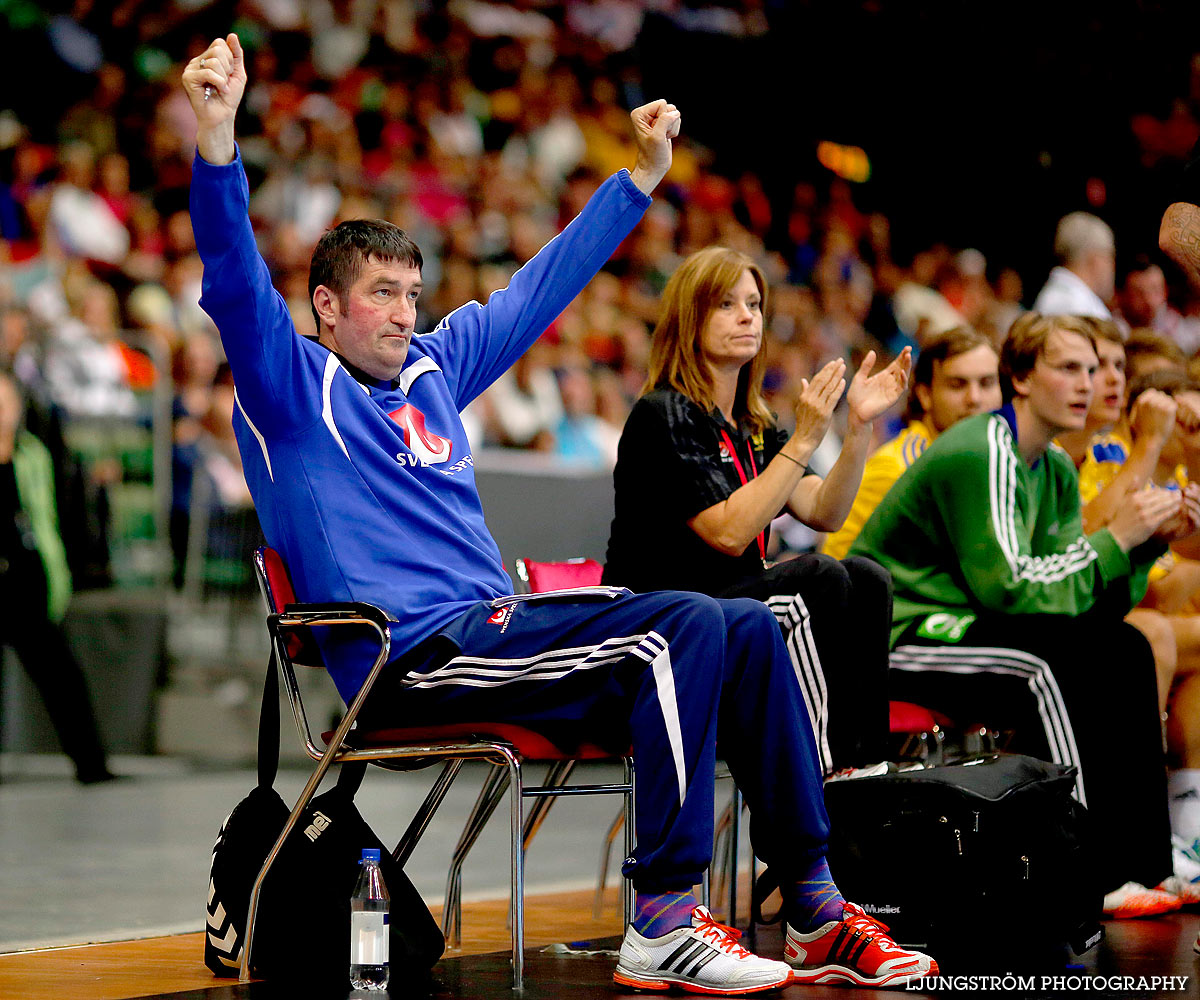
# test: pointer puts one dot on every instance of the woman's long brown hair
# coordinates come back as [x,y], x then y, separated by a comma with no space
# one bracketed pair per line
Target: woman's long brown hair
[676,360]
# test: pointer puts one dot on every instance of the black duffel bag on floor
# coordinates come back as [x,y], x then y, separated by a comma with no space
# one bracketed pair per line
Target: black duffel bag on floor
[985,862]
[302,931]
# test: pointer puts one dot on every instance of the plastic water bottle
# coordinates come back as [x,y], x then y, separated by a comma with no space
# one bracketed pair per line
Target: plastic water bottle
[369,926]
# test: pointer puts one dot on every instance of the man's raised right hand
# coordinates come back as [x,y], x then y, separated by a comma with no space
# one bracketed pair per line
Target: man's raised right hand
[214,82]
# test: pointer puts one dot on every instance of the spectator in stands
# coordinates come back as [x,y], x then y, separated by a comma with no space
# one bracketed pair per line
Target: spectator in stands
[1082,282]
[702,443]
[82,221]
[194,371]
[1142,297]
[1147,351]
[1006,611]
[581,437]
[956,375]
[37,587]
[87,369]
[526,403]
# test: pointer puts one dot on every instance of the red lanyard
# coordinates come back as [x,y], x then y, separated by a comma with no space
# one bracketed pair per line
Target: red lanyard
[737,464]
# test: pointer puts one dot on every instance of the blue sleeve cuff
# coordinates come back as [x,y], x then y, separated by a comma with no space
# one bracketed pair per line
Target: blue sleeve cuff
[635,193]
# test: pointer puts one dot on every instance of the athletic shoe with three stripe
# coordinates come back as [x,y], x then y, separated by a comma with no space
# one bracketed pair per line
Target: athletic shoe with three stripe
[855,949]
[703,958]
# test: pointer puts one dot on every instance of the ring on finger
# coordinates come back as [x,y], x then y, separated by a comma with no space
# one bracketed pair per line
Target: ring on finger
[202,60]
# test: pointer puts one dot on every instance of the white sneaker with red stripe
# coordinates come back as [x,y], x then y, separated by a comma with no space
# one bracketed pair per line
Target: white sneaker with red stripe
[1133,900]
[1188,893]
[855,949]
[704,958]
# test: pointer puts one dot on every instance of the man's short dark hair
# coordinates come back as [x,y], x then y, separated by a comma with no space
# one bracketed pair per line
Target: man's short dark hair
[1136,264]
[341,253]
[941,347]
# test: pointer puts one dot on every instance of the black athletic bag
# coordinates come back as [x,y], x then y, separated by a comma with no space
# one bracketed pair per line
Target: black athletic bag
[984,863]
[302,931]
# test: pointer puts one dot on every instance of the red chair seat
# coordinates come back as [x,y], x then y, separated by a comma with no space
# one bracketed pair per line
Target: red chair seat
[531,745]
[907,717]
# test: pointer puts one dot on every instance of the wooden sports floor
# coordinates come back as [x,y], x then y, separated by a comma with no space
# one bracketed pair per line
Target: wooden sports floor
[172,967]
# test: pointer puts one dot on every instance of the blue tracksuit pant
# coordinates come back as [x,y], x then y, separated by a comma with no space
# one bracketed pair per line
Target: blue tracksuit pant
[681,676]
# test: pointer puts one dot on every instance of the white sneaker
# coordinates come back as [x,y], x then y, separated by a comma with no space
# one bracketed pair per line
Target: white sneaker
[703,958]
[1188,893]
[1133,900]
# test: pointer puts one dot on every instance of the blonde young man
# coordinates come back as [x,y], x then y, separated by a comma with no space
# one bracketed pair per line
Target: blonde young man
[956,375]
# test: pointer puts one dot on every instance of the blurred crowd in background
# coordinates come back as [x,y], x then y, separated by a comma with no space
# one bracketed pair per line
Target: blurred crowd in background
[481,128]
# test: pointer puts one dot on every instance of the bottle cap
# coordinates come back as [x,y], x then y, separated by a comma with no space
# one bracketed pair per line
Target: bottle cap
[370,854]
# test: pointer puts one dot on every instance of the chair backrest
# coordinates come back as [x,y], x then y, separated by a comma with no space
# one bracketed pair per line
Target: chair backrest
[540,577]
[273,580]
[275,583]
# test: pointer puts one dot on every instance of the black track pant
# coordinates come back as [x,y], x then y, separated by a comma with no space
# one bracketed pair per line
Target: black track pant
[835,616]
[42,648]
[1075,691]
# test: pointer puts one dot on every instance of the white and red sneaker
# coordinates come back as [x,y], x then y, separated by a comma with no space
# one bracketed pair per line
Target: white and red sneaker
[1188,893]
[855,949]
[1134,900]
[704,958]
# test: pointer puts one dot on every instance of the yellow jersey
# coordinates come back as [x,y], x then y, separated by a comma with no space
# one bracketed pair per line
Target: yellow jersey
[883,468]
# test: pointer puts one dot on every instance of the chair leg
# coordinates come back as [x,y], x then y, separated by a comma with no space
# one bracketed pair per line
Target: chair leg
[557,776]
[517,851]
[721,847]
[420,821]
[627,894]
[605,852]
[306,796]
[735,807]
[485,804]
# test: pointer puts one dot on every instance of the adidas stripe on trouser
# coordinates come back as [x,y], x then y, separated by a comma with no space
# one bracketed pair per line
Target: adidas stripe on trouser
[1077,691]
[836,617]
[671,673]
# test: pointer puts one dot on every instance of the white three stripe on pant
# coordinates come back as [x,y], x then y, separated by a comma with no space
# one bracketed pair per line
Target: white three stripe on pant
[793,617]
[1034,671]
[474,671]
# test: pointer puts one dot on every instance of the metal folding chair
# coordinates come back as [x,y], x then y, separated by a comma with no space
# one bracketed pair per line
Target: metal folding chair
[506,746]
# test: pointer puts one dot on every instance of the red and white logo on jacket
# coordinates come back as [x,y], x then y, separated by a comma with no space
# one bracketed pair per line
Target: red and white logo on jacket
[421,441]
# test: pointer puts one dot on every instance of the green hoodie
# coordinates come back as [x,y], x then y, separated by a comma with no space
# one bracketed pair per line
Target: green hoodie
[970,527]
